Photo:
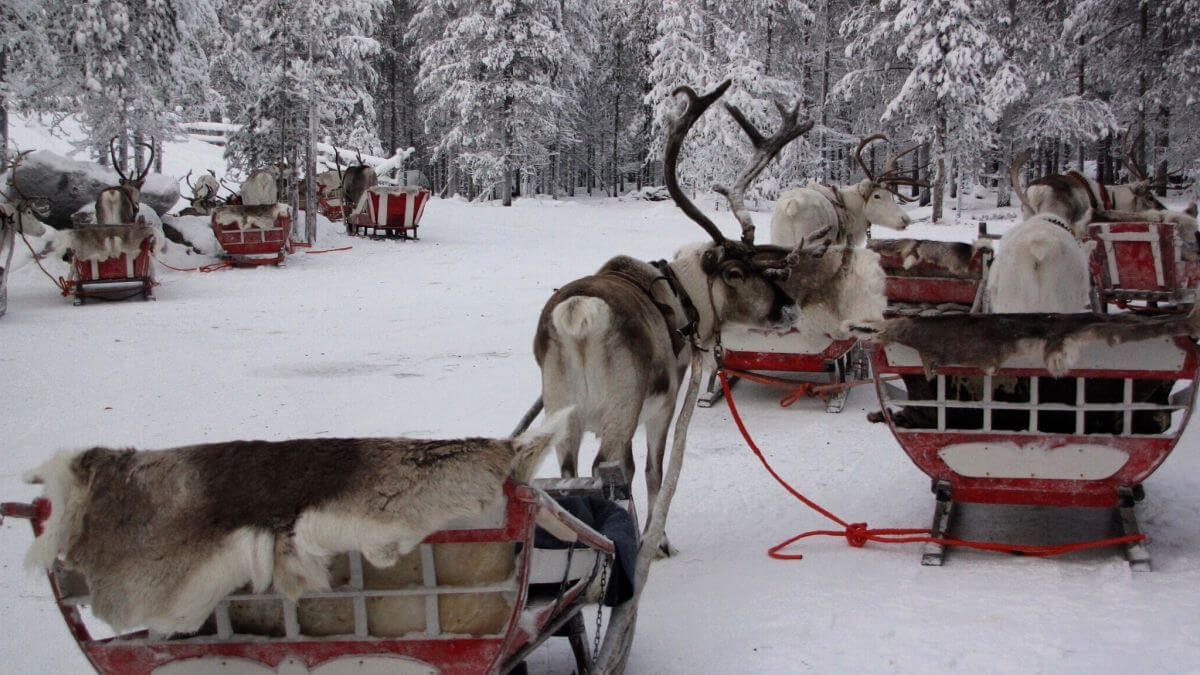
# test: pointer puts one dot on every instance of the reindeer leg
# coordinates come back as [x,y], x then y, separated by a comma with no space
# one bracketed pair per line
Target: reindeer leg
[568,448]
[657,427]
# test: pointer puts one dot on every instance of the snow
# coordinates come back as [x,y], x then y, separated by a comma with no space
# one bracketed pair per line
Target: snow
[433,339]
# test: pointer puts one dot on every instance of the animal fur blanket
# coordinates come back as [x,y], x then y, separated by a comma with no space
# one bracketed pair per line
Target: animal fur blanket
[249,216]
[987,340]
[952,259]
[101,242]
[162,536]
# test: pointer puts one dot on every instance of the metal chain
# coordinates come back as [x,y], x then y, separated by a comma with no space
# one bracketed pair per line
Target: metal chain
[600,608]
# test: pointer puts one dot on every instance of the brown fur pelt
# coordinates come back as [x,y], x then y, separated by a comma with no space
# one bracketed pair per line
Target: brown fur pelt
[987,340]
[249,216]
[101,242]
[952,258]
[162,536]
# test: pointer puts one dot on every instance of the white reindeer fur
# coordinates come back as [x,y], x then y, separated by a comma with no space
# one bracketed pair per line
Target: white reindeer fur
[800,211]
[1040,267]
[260,188]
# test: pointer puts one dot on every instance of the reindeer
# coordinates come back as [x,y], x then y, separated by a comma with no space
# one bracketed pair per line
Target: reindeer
[1041,267]
[261,187]
[851,209]
[1071,194]
[119,205]
[615,345]
[204,194]
[355,180]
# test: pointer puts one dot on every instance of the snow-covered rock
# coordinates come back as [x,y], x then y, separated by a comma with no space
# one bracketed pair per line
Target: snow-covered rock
[69,185]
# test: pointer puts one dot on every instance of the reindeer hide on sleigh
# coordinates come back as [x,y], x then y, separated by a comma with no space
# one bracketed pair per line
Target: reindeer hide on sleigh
[987,340]
[162,536]
[101,242]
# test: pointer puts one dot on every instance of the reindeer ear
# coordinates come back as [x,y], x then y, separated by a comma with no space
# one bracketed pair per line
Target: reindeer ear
[708,262]
[1191,209]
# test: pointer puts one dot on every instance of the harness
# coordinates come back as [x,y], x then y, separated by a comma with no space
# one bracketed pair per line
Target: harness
[686,332]
[1105,199]
[1058,221]
[834,196]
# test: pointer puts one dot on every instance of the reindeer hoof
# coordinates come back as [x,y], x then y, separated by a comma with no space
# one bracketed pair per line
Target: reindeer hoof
[665,550]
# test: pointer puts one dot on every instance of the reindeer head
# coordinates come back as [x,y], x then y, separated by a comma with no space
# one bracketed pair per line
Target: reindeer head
[1142,189]
[744,280]
[355,179]
[877,192]
[119,205]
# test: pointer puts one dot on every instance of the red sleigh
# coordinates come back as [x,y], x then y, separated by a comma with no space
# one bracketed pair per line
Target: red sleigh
[388,211]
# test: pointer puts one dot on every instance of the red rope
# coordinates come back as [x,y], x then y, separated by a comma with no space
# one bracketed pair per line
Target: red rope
[331,250]
[203,268]
[858,534]
[798,389]
[65,286]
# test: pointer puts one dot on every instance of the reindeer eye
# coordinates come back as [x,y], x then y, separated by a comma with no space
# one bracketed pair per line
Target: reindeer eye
[876,196]
[734,275]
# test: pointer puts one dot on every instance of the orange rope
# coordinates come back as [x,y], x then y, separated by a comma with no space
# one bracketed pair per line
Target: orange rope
[858,534]
[798,389]
[203,268]
[331,250]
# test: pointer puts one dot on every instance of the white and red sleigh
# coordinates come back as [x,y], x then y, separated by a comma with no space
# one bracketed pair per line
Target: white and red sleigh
[112,262]
[1143,265]
[251,235]
[478,597]
[389,211]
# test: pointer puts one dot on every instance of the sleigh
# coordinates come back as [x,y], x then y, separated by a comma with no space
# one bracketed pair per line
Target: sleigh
[1143,265]
[251,235]
[1020,436]
[476,598]
[817,365]
[112,262]
[925,275]
[388,212]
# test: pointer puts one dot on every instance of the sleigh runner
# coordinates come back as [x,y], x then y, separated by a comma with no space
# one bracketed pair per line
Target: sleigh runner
[388,212]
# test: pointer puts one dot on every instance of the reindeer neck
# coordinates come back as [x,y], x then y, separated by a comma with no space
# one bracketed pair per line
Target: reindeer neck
[695,283]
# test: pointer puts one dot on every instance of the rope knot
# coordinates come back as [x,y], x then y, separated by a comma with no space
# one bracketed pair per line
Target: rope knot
[857,535]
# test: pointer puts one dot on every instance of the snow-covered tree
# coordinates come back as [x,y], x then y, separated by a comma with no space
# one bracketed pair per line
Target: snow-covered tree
[487,70]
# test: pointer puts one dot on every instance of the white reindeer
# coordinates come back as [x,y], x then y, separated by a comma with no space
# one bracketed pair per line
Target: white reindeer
[851,209]
[261,187]
[1041,267]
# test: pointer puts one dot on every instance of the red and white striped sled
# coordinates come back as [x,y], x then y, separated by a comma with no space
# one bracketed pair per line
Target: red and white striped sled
[1142,264]
[389,211]
[1021,436]
[477,598]
[253,234]
[112,262]
[329,195]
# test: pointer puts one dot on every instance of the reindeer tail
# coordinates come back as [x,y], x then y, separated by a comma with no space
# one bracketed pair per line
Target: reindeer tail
[1014,177]
[581,317]
[65,493]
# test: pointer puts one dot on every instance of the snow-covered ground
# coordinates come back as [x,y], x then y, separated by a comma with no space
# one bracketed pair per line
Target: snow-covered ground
[433,339]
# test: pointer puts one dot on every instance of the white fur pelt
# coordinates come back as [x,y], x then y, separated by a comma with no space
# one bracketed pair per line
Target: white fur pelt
[249,217]
[101,242]
[858,296]
[260,188]
[1041,267]
[162,536]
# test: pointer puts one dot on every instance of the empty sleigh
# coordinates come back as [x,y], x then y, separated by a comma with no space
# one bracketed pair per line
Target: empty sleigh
[389,211]
[251,235]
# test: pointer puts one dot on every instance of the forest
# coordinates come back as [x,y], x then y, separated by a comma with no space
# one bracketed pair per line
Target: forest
[501,98]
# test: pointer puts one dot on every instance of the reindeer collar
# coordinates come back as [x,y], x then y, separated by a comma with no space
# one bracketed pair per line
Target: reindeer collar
[1059,222]
[687,331]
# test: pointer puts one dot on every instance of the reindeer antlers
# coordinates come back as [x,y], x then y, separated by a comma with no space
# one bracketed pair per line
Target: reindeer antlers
[677,130]
[765,149]
[112,153]
[891,176]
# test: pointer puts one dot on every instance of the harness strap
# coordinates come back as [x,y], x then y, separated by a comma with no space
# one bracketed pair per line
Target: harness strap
[688,330]
[834,196]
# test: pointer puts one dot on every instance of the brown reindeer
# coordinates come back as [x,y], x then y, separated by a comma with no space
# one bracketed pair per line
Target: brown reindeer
[119,205]
[355,180]
[1070,195]
[614,345]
